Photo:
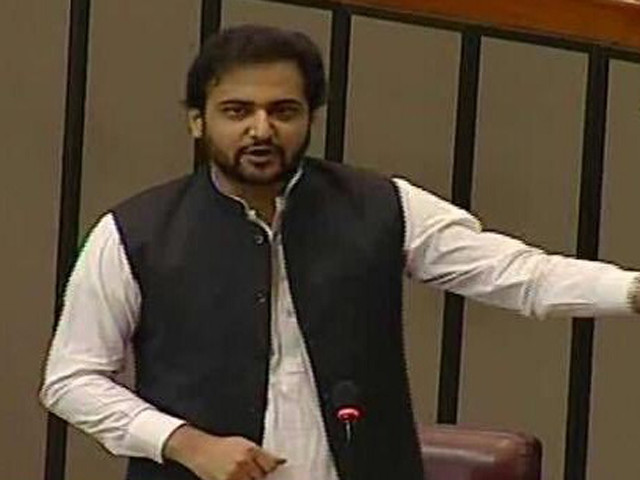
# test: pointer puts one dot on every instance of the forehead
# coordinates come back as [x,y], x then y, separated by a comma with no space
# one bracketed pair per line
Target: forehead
[259,83]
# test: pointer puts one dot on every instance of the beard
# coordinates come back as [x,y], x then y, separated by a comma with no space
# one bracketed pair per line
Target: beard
[239,170]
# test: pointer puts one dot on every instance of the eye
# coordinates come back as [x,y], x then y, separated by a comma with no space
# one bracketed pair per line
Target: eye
[286,112]
[235,112]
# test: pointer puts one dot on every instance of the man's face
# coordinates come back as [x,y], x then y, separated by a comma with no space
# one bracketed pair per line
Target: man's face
[256,123]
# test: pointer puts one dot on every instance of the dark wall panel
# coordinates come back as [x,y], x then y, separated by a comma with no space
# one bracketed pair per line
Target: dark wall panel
[526,184]
[136,131]
[401,115]
[615,419]
[32,92]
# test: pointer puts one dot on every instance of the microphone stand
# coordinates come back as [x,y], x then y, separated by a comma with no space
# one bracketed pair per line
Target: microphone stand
[345,398]
[349,417]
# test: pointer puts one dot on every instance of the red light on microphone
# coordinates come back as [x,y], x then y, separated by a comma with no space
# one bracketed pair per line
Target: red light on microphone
[349,414]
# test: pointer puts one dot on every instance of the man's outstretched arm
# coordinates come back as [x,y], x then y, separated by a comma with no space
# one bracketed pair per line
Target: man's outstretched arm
[446,247]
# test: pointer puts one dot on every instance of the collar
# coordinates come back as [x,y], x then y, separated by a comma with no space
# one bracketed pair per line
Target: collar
[281,199]
[215,180]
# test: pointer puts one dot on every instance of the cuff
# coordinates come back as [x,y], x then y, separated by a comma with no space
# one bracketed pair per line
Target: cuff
[614,293]
[148,432]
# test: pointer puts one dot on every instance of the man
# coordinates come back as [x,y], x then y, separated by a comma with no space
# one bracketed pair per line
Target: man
[255,286]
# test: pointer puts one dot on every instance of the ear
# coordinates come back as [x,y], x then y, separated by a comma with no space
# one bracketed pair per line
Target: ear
[195,122]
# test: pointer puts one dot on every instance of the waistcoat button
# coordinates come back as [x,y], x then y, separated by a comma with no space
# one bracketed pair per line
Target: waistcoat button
[258,238]
[261,297]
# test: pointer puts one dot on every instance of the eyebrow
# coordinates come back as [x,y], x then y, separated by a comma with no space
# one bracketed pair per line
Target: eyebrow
[281,102]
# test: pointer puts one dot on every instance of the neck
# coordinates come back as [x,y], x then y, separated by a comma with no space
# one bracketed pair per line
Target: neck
[261,198]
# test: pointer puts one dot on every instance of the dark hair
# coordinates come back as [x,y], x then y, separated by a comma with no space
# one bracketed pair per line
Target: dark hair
[253,44]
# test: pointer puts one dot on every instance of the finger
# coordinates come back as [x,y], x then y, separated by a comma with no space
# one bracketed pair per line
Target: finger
[258,457]
[253,470]
[254,467]
[268,461]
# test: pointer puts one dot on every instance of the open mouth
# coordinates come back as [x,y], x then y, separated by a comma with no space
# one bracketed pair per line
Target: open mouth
[260,154]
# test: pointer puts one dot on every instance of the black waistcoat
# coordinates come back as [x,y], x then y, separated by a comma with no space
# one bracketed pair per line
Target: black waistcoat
[202,344]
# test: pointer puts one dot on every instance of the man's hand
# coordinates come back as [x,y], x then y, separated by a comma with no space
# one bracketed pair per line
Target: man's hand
[219,458]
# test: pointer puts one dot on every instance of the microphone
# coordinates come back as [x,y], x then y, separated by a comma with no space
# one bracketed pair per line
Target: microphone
[346,400]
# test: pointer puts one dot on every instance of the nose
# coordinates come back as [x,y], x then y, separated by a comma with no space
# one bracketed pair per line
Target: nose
[261,128]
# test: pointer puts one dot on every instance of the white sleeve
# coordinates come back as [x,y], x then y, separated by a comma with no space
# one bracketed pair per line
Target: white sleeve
[98,319]
[446,247]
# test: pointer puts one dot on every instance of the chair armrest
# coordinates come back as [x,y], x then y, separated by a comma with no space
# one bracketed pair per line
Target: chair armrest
[452,452]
